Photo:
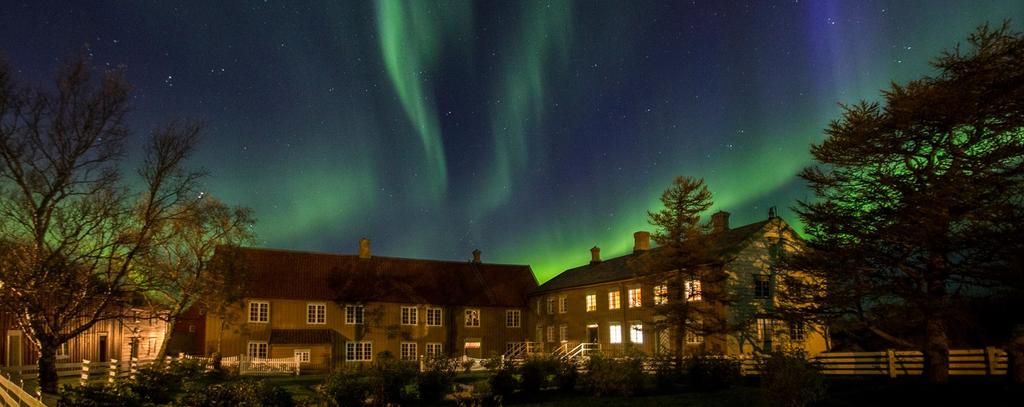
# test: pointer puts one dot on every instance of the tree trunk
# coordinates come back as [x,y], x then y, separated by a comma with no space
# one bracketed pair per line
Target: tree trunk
[168,330]
[1016,356]
[47,364]
[936,352]
[680,342]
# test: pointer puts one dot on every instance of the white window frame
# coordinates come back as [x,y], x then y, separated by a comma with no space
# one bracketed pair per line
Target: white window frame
[433,349]
[318,312]
[540,333]
[551,305]
[563,304]
[660,294]
[550,333]
[591,302]
[563,333]
[614,299]
[355,314]
[636,297]
[797,331]
[410,315]
[440,314]
[513,318]
[472,323]
[254,349]
[636,332]
[359,351]
[302,355]
[692,290]
[262,312]
[614,332]
[408,351]
[64,350]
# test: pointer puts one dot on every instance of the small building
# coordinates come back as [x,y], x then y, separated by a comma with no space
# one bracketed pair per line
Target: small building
[613,302]
[326,309]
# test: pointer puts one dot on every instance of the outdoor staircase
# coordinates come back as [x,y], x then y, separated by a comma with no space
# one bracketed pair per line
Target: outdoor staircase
[520,350]
[569,352]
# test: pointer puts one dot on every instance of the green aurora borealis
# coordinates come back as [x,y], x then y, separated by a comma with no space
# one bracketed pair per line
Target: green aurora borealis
[532,130]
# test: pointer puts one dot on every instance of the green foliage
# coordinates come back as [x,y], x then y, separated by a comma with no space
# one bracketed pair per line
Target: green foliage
[666,371]
[241,393]
[468,364]
[502,381]
[433,383]
[607,376]
[790,380]
[712,372]
[344,388]
[534,373]
[567,374]
[97,396]
[388,378]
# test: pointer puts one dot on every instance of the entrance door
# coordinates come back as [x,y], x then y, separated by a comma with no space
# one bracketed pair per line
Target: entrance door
[13,348]
[102,356]
[592,331]
[664,343]
[473,348]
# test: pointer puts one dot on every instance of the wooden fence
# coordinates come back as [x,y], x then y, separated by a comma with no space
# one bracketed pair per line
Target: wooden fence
[989,361]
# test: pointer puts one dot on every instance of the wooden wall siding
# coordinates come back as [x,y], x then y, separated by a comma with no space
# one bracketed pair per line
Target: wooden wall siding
[382,325]
[86,344]
[750,261]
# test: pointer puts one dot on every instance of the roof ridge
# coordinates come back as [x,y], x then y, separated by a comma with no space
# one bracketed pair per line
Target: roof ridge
[322,253]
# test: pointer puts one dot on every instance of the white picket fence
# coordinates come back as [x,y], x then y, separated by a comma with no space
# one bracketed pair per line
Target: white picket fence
[250,366]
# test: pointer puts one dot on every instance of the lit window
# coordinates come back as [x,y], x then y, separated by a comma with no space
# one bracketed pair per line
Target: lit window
[354,314]
[796,331]
[693,334]
[513,318]
[764,329]
[409,315]
[635,299]
[762,286]
[316,313]
[551,333]
[591,302]
[259,311]
[615,332]
[551,306]
[433,349]
[302,355]
[563,333]
[359,351]
[472,317]
[636,332]
[692,290]
[660,294]
[257,350]
[408,351]
[433,317]
[613,300]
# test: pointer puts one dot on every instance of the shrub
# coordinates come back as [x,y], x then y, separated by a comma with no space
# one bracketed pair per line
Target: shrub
[344,388]
[566,374]
[607,376]
[534,373]
[435,381]
[666,371]
[96,396]
[242,393]
[712,372]
[467,365]
[502,383]
[388,378]
[790,380]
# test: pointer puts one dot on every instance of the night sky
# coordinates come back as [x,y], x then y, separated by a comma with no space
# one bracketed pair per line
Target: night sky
[530,130]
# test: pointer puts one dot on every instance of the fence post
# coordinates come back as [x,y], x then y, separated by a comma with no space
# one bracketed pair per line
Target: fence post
[133,367]
[892,362]
[991,360]
[112,371]
[84,379]
[422,365]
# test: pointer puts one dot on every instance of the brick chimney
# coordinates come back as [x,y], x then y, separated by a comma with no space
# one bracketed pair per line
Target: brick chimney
[364,248]
[476,255]
[595,255]
[641,241]
[720,221]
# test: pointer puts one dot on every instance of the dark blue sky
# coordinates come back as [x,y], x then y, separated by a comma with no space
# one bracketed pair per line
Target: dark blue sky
[532,130]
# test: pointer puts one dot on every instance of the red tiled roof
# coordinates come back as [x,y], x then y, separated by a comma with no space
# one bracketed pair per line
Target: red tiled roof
[288,274]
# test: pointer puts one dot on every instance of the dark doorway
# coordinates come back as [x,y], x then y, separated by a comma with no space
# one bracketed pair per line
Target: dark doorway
[592,334]
[103,348]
